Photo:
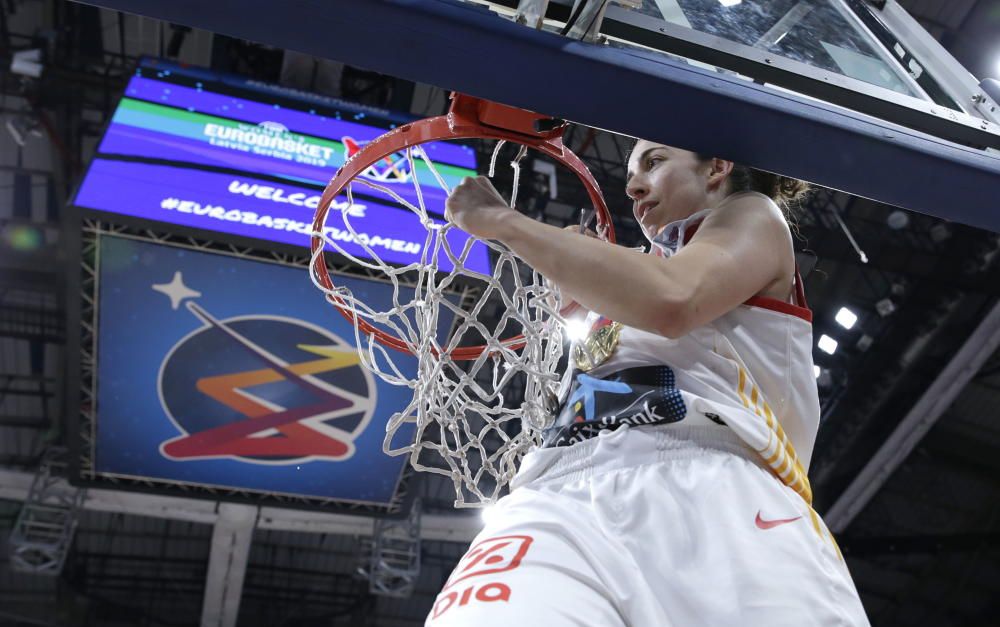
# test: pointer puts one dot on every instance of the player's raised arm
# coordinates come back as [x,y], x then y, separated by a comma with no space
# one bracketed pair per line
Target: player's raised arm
[741,249]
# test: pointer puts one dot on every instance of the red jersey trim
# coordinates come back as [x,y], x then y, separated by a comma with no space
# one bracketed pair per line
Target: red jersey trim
[801,310]
[766,302]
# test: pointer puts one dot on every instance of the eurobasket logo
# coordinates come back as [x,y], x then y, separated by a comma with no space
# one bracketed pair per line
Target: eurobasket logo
[392,169]
[270,139]
[261,389]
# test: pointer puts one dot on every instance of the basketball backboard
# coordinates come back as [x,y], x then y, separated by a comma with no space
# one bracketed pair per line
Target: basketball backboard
[850,94]
[868,57]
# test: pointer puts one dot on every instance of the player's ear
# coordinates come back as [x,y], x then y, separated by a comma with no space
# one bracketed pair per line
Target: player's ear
[719,170]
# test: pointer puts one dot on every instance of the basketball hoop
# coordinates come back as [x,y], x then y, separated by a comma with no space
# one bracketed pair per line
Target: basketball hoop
[479,438]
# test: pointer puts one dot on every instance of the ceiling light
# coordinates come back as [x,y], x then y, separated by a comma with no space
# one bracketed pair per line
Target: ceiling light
[846,318]
[827,344]
[898,220]
[825,379]
[22,237]
[817,370]
[729,3]
[885,307]
[864,343]
[939,232]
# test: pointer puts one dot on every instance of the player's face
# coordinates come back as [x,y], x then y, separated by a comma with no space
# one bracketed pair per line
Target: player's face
[665,184]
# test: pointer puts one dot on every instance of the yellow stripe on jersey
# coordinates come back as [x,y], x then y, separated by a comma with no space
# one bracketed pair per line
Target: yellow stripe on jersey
[824,533]
[773,459]
[814,517]
[783,468]
[784,461]
[739,387]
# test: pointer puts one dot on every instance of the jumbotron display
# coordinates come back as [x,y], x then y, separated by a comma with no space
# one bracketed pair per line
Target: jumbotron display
[226,155]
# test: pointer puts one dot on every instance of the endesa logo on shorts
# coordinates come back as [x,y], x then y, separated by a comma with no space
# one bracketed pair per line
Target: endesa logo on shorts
[487,559]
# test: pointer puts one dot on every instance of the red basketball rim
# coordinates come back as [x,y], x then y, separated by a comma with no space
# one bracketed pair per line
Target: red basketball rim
[468,118]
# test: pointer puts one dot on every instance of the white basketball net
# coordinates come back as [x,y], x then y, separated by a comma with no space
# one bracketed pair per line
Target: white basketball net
[465,428]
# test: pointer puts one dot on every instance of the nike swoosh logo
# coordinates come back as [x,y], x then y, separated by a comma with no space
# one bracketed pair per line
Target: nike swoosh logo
[770,524]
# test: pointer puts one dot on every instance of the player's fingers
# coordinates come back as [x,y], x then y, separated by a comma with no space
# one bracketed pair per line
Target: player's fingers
[487,185]
[464,184]
[454,203]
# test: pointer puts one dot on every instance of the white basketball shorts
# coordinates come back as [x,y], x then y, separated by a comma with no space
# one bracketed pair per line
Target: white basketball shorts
[664,526]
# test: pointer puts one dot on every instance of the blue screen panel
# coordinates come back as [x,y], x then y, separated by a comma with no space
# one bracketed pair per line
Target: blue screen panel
[191,148]
[220,371]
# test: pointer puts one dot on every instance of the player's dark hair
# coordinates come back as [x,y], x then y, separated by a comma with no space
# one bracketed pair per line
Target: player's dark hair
[786,192]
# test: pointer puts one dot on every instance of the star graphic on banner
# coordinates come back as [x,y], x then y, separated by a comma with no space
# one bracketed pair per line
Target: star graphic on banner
[589,385]
[176,290]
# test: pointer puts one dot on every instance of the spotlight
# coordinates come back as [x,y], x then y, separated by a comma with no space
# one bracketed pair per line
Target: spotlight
[729,3]
[817,370]
[23,238]
[825,378]
[846,318]
[576,329]
[885,307]
[898,220]
[864,343]
[827,344]
[940,232]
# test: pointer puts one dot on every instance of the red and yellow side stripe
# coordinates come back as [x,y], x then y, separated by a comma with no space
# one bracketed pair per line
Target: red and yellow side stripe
[779,454]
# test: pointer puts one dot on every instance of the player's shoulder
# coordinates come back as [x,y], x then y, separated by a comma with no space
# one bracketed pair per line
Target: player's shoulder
[746,211]
[754,203]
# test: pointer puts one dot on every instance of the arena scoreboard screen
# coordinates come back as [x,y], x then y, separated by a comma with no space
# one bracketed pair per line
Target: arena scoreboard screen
[231,156]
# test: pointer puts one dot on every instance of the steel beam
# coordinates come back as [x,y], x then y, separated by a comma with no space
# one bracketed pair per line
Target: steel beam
[979,346]
[464,47]
[14,485]
[43,533]
[227,564]
[25,422]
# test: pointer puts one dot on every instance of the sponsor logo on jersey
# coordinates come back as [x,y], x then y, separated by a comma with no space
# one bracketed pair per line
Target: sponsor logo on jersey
[488,558]
[771,524]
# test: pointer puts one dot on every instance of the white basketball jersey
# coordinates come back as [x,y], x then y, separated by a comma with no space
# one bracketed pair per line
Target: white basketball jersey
[752,368]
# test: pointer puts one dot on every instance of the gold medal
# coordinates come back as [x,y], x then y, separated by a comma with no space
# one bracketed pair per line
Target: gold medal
[599,345]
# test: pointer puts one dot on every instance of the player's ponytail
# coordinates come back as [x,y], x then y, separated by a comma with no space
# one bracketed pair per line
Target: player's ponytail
[786,192]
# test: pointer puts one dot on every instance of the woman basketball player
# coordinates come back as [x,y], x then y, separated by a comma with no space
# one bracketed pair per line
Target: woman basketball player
[671,489]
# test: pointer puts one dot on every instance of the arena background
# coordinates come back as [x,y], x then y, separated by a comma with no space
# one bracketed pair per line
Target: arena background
[97,358]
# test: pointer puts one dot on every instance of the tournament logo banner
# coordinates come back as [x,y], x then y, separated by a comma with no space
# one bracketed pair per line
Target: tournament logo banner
[204,151]
[220,371]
